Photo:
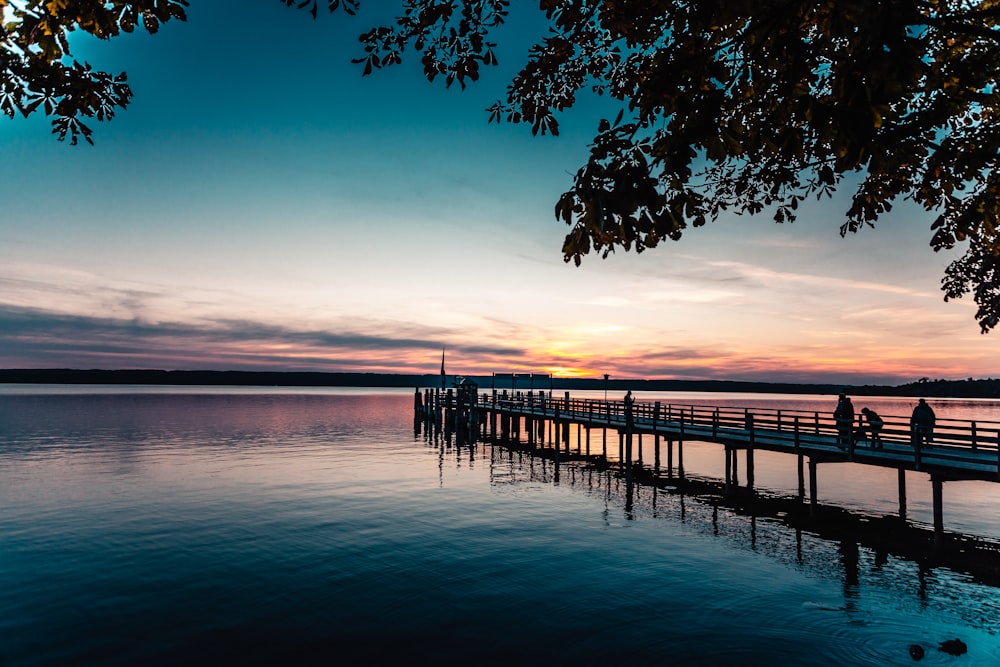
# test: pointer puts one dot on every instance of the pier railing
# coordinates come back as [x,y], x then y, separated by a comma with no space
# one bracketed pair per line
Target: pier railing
[955,450]
[967,446]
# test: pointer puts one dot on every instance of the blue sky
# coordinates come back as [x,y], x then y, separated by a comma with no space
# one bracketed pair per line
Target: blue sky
[261,205]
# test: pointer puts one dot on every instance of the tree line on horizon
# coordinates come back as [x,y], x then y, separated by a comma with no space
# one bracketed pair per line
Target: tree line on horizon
[968,388]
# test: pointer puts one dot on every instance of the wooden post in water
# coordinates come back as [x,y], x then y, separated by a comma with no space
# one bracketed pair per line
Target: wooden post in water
[656,453]
[736,468]
[629,428]
[901,483]
[729,471]
[555,443]
[680,458]
[750,470]
[680,449]
[628,455]
[937,487]
[812,488]
[670,456]
[566,425]
[799,461]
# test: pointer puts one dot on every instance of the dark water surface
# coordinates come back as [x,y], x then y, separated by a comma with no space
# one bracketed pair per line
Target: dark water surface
[255,526]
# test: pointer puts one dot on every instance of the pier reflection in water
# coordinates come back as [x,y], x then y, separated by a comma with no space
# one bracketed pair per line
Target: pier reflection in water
[870,554]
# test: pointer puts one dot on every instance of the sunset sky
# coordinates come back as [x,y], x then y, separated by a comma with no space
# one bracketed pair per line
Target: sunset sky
[260,205]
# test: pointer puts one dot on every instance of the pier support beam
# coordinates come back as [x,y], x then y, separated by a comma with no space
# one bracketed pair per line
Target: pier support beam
[937,485]
[729,471]
[802,476]
[812,488]
[736,468]
[680,459]
[901,483]
[628,457]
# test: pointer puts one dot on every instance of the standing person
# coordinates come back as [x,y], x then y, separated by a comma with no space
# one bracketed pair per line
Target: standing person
[922,424]
[844,416]
[875,425]
[629,402]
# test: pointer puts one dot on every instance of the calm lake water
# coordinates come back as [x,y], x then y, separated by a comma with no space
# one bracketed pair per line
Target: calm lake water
[257,526]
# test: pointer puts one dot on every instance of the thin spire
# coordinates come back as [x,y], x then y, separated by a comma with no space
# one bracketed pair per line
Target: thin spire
[442,369]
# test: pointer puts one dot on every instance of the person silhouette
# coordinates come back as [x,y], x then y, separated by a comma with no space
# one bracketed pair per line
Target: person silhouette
[875,425]
[629,402]
[922,424]
[843,415]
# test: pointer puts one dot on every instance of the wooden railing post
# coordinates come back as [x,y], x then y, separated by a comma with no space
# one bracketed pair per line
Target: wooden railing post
[715,423]
[998,455]
[799,458]
[556,436]
[974,435]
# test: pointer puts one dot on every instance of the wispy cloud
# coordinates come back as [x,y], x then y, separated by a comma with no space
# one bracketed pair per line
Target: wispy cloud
[37,337]
[770,276]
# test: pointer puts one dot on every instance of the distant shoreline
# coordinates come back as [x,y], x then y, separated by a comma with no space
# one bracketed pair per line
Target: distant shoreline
[984,388]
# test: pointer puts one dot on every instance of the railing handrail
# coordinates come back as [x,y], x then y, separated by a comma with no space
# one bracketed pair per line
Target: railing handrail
[972,434]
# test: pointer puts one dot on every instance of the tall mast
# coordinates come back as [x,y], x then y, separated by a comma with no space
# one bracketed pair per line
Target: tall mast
[442,368]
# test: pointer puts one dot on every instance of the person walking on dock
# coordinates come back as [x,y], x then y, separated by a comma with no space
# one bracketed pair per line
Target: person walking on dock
[844,416]
[922,424]
[875,425]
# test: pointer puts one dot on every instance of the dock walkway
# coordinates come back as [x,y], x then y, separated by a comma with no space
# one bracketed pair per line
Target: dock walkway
[957,450]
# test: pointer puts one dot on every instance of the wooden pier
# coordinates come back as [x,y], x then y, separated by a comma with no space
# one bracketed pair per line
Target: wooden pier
[958,450]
